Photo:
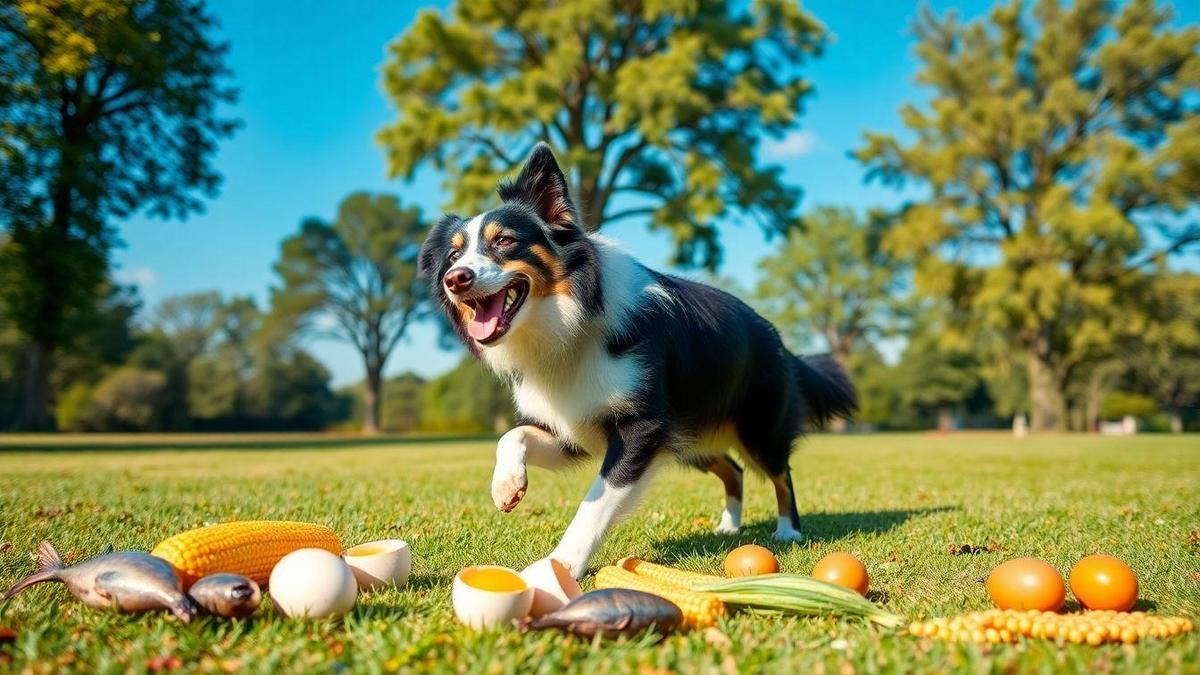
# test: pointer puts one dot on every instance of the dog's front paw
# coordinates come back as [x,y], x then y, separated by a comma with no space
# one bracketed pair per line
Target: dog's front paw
[726,528]
[787,534]
[508,487]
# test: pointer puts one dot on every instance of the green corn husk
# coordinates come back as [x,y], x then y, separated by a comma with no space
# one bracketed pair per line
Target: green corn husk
[797,594]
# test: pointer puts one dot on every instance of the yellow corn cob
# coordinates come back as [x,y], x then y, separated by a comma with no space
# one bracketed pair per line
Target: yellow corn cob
[667,575]
[700,610]
[250,547]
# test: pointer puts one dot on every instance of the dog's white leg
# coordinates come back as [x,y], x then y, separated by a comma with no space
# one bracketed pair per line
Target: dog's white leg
[519,447]
[731,476]
[602,506]
[787,527]
[731,517]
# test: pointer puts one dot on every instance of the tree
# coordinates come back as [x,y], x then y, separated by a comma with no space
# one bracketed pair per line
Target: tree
[832,282]
[290,390]
[937,371]
[355,279]
[657,108]
[190,321]
[469,398]
[1064,145]
[108,107]
[128,399]
[1166,359]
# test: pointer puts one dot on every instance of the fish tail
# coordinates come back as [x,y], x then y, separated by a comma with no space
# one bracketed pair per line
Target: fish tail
[35,578]
[48,558]
[49,564]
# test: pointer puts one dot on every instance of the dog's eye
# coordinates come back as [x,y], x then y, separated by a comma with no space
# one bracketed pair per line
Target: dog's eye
[503,241]
[455,255]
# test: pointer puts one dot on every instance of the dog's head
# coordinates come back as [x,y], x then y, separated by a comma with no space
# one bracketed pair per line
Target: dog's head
[527,266]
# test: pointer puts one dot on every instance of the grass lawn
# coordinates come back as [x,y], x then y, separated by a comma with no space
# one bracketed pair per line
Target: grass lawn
[897,501]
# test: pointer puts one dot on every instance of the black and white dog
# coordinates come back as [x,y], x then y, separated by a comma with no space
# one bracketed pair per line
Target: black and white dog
[610,359]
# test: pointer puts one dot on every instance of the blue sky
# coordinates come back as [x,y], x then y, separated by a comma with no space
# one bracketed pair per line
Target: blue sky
[311,102]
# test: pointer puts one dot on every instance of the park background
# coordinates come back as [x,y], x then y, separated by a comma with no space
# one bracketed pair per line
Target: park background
[210,210]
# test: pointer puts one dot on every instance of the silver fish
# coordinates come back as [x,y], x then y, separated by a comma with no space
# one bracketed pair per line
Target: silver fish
[129,581]
[226,595]
[613,612]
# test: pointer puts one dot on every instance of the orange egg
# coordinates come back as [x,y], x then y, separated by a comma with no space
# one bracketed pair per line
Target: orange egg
[842,569]
[749,560]
[1026,583]
[1104,582]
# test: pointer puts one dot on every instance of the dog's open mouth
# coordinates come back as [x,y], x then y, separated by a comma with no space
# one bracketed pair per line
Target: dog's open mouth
[494,313]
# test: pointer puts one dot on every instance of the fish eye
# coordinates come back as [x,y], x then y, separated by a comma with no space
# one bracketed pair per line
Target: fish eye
[455,255]
[504,241]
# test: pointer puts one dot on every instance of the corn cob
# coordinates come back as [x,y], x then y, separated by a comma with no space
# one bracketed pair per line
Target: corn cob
[700,610]
[792,593]
[1093,628]
[250,548]
[667,575]
[797,594]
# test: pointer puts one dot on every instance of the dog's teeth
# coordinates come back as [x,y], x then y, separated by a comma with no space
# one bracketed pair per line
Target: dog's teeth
[510,298]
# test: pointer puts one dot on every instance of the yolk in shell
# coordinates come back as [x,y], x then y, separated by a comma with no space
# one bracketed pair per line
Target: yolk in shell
[489,579]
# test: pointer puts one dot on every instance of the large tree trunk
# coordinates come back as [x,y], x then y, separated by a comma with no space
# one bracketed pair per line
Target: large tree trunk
[35,404]
[1048,411]
[373,400]
[1176,421]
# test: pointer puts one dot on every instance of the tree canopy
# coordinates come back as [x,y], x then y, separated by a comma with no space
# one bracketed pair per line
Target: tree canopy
[1058,157]
[107,108]
[832,281]
[656,108]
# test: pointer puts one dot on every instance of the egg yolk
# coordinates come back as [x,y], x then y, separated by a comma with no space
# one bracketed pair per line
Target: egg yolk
[501,581]
[367,549]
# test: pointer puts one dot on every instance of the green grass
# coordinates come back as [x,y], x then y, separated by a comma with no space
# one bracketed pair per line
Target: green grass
[897,501]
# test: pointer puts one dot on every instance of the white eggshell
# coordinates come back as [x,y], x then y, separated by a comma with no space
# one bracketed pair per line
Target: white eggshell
[314,583]
[379,563]
[553,586]
[482,609]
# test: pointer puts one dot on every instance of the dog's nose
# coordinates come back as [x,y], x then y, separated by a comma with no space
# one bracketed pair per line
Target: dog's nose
[459,279]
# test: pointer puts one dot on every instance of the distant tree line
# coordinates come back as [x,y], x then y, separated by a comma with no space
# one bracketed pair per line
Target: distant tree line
[200,363]
[1050,183]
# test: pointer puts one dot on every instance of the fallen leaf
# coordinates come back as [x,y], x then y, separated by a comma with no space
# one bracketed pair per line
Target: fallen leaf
[1194,576]
[1193,538]
[7,635]
[5,547]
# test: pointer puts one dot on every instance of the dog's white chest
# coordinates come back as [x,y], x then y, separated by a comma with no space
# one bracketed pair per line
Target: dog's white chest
[573,400]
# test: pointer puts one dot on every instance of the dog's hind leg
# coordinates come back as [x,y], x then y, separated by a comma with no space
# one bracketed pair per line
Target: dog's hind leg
[787,526]
[731,476]
[516,449]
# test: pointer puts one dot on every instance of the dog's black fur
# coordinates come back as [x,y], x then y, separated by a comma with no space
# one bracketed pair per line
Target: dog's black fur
[707,360]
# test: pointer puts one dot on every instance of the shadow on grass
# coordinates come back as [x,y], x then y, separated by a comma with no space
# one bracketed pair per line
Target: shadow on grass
[157,442]
[817,527]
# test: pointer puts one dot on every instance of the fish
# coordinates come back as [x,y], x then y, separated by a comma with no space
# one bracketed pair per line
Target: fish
[613,612]
[226,595]
[128,581]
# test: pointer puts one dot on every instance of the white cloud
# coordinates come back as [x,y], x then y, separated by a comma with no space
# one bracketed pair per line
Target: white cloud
[795,144]
[142,277]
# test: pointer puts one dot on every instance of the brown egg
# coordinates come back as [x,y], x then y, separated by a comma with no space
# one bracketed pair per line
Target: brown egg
[843,569]
[1026,583]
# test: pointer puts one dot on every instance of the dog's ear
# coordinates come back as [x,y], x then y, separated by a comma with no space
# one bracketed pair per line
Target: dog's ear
[542,185]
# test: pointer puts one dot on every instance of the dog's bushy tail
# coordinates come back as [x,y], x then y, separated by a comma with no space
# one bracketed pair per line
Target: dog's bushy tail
[827,389]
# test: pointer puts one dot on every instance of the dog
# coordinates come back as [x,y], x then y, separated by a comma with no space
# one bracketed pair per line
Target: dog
[610,359]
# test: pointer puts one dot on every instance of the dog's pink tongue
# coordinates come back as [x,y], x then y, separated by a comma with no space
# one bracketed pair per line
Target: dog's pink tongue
[487,317]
